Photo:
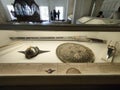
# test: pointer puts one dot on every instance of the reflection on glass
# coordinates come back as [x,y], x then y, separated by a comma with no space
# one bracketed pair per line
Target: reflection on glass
[11,11]
[60,10]
[44,13]
[66,11]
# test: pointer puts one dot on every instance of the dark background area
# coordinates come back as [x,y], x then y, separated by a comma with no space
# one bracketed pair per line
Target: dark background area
[63,87]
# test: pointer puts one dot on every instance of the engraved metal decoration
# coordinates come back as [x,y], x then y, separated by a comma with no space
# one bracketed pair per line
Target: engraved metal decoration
[32,52]
[74,53]
[50,71]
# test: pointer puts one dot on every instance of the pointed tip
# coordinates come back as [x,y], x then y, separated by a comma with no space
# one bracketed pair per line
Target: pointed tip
[43,51]
[22,52]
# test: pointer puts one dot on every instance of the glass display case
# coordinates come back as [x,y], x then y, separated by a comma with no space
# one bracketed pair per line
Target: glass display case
[52,44]
[49,51]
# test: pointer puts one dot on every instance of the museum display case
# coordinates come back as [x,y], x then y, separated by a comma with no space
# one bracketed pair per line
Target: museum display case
[73,49]
[87,54]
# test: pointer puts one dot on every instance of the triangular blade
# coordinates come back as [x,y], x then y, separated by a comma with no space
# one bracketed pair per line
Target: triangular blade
[22,52]
[40,51]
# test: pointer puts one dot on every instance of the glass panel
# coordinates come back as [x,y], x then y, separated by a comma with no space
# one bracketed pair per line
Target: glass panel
[60,11]
[44,13]
[11,11]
